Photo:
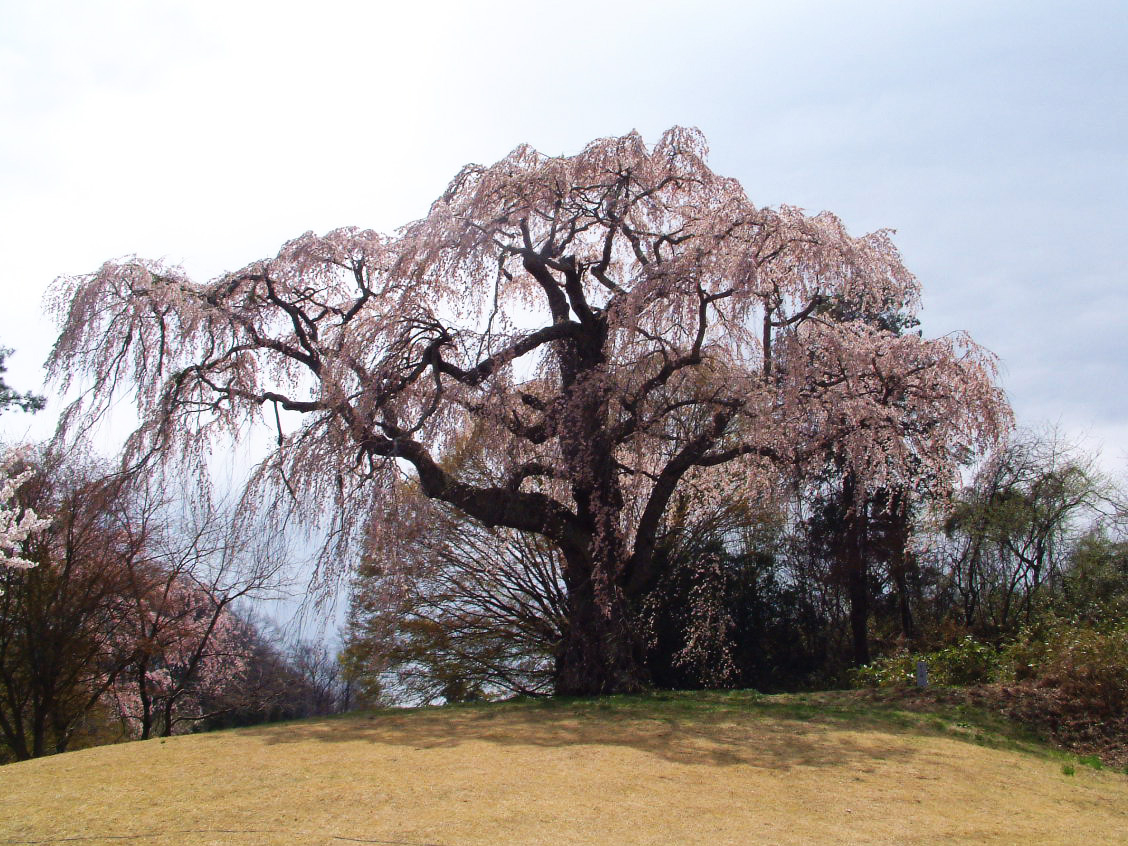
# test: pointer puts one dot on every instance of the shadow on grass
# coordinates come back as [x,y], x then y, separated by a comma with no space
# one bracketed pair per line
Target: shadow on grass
[714,728]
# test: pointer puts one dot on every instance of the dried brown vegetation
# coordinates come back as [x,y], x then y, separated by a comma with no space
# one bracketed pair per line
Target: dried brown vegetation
[612,771]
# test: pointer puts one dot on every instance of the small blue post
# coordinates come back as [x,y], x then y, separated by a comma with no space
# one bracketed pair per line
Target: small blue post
[922,674]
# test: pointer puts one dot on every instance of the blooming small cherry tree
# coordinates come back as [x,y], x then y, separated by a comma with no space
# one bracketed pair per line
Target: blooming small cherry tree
[190,653]
[605,330]
[16,523]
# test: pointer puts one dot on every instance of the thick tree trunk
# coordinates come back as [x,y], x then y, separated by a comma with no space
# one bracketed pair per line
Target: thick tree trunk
[900,562]
[904,603]
[62,732]
[169,703]
[39,734]
[598,654]
[146,702]
[858,586]
[15,739]
[601,651]
[853,556]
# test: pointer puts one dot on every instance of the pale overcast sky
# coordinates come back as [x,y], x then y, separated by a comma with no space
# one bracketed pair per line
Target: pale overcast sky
[992,136]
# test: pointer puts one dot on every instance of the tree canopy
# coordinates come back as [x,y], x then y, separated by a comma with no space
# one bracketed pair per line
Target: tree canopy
[600,331]
[10,397]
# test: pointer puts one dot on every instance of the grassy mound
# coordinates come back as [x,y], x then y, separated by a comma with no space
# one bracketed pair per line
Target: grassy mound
[717,768]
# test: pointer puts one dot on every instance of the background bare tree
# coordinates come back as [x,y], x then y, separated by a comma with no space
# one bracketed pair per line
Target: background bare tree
[456,611]
[1012,533]
[9,397]
[200,562]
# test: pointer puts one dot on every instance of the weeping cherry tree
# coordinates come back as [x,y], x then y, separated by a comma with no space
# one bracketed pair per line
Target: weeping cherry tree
[606,329]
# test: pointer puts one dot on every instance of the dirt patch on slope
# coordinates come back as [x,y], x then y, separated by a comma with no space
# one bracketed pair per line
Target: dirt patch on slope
[1063,721]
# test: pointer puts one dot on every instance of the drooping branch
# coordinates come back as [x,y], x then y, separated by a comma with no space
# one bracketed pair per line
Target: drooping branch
[639,571]
[478,374]
[494,506]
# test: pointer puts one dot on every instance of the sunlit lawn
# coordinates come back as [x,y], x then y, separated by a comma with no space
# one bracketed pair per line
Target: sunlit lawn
[676,768]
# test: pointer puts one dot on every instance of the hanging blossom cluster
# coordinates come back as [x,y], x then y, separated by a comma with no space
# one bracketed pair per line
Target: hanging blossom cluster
[708,625]
[16,524]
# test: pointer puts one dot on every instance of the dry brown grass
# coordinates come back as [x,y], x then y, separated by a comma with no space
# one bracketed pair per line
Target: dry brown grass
[564,774]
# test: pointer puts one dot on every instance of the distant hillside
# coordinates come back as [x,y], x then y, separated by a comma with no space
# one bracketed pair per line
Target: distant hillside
[717,768]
